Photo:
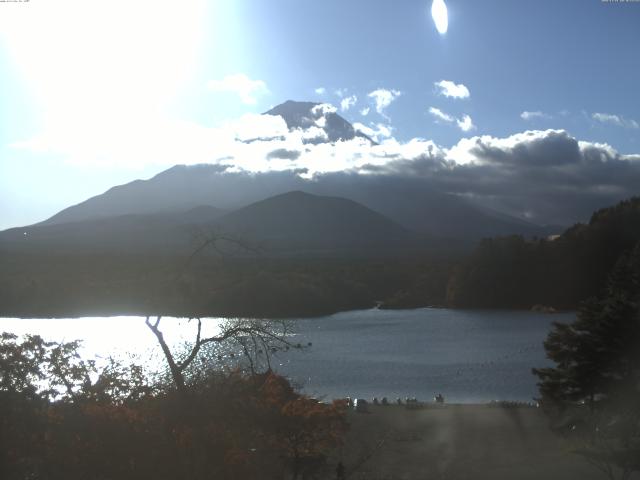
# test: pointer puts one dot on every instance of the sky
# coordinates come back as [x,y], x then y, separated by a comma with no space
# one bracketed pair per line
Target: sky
[96,94]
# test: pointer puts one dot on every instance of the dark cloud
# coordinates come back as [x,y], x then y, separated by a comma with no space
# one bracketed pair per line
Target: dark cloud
[284,154]
[548,177]
[528,149]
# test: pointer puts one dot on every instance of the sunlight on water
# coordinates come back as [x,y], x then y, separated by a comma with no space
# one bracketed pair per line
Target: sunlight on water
[468,356]
[117,336]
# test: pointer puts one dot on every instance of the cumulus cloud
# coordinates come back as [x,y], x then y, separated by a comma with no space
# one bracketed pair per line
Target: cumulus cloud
[526,115]
[247,89]
[320,90]
[314,134]
[465,123]
[450,89]
[377,132]
[323,109]
[549,175]
[616,120]
[365,111]
[383,98]
[348,102]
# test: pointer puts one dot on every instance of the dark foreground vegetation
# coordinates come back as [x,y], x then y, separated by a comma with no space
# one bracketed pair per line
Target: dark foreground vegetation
[64,417]
[592,394]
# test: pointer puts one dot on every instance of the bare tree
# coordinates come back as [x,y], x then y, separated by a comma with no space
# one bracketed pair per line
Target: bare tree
[259,339]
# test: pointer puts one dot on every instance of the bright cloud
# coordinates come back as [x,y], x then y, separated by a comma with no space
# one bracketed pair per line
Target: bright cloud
[534,115]
[451,89]
[320,90]
[616,120]
[377,132]
[247,89]
[440,115]
[383,98]
[365,111]
[323,109]
[348,102]
[465,123]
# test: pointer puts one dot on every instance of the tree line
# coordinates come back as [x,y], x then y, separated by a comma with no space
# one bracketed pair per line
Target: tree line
[515,272]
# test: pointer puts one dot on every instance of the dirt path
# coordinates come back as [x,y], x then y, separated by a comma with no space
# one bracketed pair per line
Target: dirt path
[458,442]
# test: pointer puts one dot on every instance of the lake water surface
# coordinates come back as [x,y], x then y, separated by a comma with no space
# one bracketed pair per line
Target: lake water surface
[467,355]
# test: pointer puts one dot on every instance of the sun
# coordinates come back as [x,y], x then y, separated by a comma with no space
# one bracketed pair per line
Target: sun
[440,16]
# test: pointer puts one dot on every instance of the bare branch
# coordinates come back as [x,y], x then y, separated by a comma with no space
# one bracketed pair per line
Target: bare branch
[194,350]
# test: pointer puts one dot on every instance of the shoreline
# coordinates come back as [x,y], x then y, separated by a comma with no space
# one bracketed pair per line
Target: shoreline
[117,314]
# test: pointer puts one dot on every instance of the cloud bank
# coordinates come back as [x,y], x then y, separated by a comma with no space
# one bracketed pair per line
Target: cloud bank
[546,176]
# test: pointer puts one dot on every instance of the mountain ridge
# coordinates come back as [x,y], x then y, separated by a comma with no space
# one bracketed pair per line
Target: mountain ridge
[407,202]
[292,222]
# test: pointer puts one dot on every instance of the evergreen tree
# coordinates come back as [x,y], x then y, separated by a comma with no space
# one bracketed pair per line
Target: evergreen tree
[594,388]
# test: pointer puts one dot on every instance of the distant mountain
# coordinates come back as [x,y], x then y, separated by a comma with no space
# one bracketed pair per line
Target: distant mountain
[167,232]
[405,201]
[426,210]
[175,190]
[301,222]
[286,224]
[408,203]
[304,115]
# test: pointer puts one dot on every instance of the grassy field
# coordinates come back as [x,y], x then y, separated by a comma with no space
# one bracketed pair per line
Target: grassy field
[458,442]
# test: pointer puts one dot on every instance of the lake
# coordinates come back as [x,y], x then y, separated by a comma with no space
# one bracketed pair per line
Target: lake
[467,355]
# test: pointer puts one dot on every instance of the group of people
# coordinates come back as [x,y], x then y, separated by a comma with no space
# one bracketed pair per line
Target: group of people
[438,398]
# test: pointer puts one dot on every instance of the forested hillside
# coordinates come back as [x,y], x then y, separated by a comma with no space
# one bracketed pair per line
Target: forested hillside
[513,272]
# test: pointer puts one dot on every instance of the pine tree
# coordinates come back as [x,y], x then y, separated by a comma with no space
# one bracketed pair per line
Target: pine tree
[594,387]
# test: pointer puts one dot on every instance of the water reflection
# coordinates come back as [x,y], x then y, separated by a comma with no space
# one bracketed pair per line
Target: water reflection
[469,356]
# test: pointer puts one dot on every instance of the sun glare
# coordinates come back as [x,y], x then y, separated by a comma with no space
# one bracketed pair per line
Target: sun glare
[96,70]
[440,16]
